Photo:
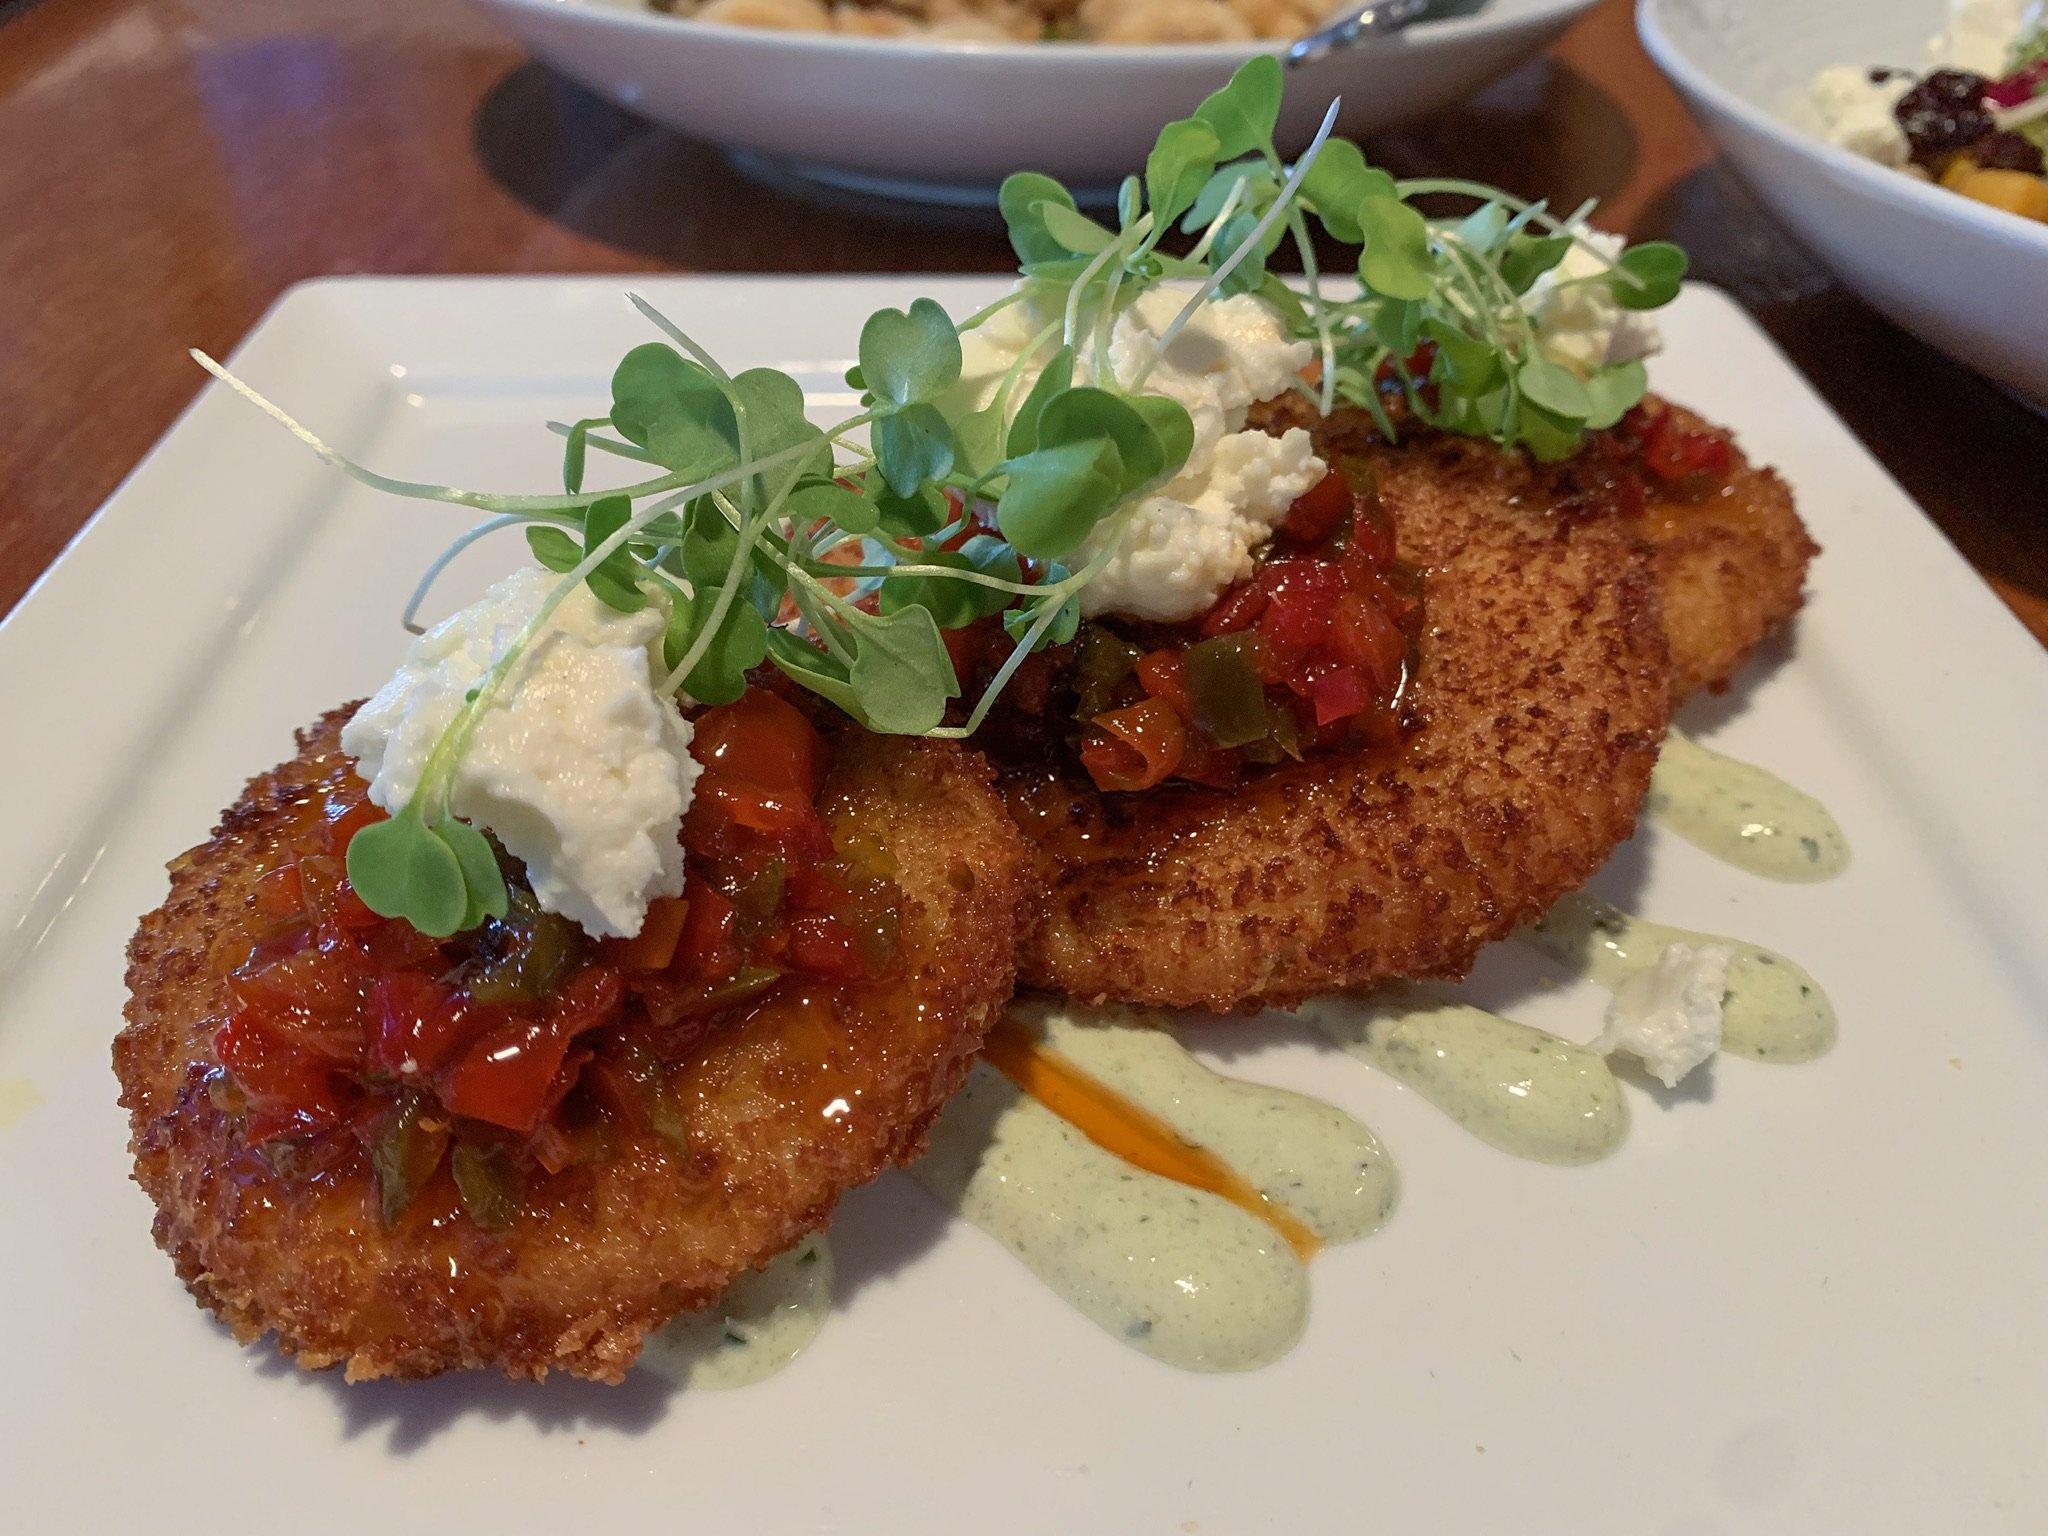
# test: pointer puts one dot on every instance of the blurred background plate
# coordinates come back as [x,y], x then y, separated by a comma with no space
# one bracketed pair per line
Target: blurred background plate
[1967,278]
[946,121]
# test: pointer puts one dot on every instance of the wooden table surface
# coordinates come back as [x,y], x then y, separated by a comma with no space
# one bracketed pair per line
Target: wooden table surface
[168,167]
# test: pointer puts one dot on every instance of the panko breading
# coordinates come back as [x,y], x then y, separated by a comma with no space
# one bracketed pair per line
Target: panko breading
[1543,692]
[1731,567]
[813,1093]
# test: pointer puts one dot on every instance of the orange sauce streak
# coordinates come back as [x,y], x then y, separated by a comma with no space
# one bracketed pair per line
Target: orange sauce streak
[1132,1133]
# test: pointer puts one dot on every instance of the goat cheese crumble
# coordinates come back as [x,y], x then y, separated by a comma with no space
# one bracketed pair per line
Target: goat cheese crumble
[1669,1016]
[1860,114]
[1578,324]
[580,767]
[1177,551]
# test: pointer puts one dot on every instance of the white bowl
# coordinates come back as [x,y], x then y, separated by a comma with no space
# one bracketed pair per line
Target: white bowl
[948,121]
[1967,278]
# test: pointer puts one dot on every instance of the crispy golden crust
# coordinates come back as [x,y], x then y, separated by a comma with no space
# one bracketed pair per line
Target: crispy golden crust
[1730,568]
[786,1111]
[1544,692]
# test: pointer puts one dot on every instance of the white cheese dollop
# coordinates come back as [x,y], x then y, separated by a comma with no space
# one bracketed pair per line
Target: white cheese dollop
[1857,113]
[1669,1016]
[1179,549]
[1578,324]
[579,766]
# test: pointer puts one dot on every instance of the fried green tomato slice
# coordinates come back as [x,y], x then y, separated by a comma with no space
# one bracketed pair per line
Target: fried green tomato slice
[815,1091]
[1731,565]
[1542,693]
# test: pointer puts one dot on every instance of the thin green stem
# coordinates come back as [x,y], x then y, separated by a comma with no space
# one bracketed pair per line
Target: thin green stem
[1251,242]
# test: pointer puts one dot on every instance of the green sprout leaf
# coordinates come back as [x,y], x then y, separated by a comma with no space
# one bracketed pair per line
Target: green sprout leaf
[776,423]
[1552,438]
[1020,200]
[1483,228]
[402,870]
[909,356]
[1243,113]
[481,877]
[1397,326]
[978,441]
[1554,388]
[1614,392]
[1339,183]
[674,409]
[912,447]
[720,675]
[911,516]
[1087,414]
[1130,202]
[1018,622]
[575,451]
[1472,365]
[617,581]
[1057,494]
[1396,261]
[1057,377]
[1074,230]
[1248,274]
[902,672]
[1180,164]
[818,670]
[1172,426]
[1260,187]
[1648,276]
[554,548]
[1528,258]
[954,603]
[829,502]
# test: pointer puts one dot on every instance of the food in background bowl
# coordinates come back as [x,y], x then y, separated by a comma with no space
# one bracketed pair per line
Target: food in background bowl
[1976,121]
[1017,21]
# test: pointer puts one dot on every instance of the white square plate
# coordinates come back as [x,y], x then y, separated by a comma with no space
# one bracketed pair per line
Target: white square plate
[1807,1299]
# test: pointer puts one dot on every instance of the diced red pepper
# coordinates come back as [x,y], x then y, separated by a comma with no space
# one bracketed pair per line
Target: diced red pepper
[825,947]
[421,1024]
[1673,454]
[1163,675]
[512,1075]
[1141,746]
[288,1088]
[762,740]
[1364,637]
[1239,608]
[706,949]
[1338,693]
[1318,510]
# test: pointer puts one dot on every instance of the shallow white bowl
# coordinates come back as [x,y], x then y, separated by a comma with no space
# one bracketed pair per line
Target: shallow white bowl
[1967,278]
[947,121]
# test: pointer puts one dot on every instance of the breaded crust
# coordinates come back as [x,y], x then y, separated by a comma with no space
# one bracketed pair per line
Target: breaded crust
[1543,691]
[1730,567]
[786,1111]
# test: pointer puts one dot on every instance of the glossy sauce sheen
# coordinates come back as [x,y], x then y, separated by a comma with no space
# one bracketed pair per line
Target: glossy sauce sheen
[1186,1240]
[1306,1165]
[1744,815]
[1774,1010]
[1525,1091]
[762,1322]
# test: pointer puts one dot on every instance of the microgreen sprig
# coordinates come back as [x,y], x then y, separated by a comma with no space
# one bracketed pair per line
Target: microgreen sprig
[844,557]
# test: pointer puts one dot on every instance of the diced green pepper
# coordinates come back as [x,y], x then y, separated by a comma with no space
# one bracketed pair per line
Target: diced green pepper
[532,954]
[404,1156]
[1102,660]
[1225,696]
[488,1182]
